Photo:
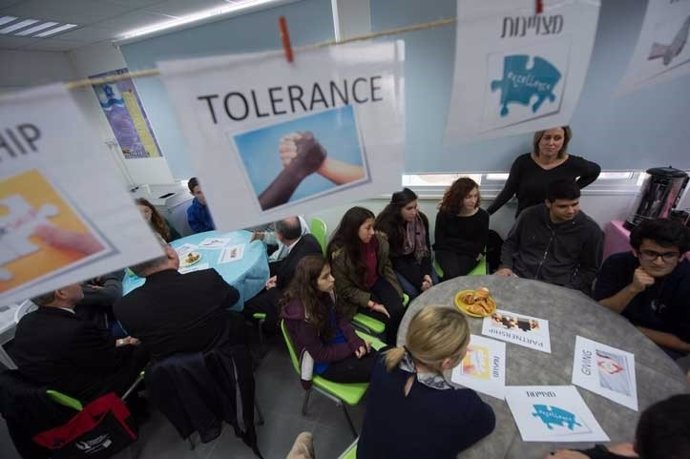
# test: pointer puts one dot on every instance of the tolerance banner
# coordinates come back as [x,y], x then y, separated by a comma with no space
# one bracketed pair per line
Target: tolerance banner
[272,139]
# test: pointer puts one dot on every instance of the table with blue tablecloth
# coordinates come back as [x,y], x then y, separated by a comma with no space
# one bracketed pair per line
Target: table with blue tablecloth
[247,274]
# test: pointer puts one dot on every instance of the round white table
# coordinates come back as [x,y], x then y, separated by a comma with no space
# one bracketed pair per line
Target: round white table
[569,313]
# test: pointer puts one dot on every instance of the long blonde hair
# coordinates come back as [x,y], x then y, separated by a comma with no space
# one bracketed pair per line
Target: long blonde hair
[435,334]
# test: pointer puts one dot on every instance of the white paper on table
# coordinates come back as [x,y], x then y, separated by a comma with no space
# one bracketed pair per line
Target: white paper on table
[58,188]
[517,70]
[484,367]
[606,371]
[196,267]
[232,253]
[662,51]
[520,329]
[237,111]
[214,242]
[185,249]
[553,414]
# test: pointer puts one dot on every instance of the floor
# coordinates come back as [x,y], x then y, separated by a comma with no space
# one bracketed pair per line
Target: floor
[280,396]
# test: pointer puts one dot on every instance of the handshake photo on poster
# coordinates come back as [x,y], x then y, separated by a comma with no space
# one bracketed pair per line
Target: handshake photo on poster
[304,158]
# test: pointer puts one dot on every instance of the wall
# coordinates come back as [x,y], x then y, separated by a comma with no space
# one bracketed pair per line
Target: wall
[22,69]
[310,21]
[644,129]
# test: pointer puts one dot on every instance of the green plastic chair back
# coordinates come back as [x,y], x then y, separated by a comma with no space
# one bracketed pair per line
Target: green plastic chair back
[350,393]
[350,452]
[259,316]
[319,230]
[64,400]
[479,270]
[369,323]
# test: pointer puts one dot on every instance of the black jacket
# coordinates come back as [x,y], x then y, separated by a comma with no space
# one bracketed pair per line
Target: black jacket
[173,312]
[285,268]
[53,347]
[567,254]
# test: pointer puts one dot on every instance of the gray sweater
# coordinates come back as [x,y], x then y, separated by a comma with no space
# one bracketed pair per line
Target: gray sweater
[567,254]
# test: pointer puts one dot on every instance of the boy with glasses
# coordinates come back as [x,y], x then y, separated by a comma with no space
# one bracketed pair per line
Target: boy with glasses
[650,286]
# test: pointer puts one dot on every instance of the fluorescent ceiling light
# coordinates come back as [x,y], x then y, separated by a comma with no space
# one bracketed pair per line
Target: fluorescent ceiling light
[6,19]
[34,29]
[62,28]
[18,25]
[194,17]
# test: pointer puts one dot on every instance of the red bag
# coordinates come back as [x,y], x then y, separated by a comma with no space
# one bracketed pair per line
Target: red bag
[103,428]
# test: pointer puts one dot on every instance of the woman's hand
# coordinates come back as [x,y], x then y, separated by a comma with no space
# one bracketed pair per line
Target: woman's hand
[378,307]
[427,283]
[361,351]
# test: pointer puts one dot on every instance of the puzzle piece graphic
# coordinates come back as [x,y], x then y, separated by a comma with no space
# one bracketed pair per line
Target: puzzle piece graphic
[553,415]
[17,226]
[520,84]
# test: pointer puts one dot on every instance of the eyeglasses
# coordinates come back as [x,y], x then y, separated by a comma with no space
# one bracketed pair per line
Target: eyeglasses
[652,255]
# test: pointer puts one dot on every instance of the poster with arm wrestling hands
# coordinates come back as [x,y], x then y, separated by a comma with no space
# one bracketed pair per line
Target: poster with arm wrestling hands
[272,139]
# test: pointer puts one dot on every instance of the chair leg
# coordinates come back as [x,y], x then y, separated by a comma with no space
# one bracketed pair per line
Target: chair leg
[259,414]
[349,420]
[306,402]
[260,324]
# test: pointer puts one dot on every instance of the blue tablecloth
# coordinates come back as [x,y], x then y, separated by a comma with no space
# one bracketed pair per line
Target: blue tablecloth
[248,274]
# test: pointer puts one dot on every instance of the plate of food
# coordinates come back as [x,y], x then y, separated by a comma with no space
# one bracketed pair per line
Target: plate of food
[475,303]
[189,259]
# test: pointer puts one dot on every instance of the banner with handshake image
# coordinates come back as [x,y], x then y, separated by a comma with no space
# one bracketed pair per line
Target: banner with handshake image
[272,139]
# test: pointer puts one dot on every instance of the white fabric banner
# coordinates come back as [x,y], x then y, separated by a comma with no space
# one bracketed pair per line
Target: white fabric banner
[65,215]
[517,71]
[606,371]
[272,139]
[553,414]
[661,52]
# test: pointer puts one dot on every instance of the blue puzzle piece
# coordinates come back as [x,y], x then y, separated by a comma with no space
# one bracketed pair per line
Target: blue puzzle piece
[519,83]
[552,415]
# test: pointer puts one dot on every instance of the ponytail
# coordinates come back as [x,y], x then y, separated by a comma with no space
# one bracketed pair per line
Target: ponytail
[394,356]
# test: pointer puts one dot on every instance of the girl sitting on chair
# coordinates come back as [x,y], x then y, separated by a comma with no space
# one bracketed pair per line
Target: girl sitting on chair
[364,277]
[325,342]
[412,410]
[407,229]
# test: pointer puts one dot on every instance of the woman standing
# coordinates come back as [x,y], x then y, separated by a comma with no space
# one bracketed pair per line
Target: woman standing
[549,161]
[407,229]
[324,340]
[364,278]
[412,410]
[157,222]
[462,229]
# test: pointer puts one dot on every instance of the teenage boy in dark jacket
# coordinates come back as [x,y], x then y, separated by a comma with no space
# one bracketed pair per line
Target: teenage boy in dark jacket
[554,242]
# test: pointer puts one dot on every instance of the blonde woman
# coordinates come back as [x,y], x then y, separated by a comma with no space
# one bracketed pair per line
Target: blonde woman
[412,410]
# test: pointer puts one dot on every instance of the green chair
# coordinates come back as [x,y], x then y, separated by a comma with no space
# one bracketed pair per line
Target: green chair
[340,393]
[371,325]
[479,270]
[260,318]
[350,452]
[319,230]
[64,400]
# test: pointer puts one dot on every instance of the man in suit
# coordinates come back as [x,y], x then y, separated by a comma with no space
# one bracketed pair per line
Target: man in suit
[54,347]
[298,245]
[179,313]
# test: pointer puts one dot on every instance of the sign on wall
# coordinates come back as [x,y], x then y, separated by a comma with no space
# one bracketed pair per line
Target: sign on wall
[272,139]
[517,71]
[661,52]
[65,216]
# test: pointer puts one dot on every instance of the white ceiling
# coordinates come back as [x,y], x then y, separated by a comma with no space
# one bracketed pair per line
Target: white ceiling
[98,20]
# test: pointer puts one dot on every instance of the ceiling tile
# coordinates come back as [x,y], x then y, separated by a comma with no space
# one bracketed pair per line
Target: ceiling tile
[8,42]
[54,45]
[184,7]
[88,34]
[6,3]
[81,12]
[134,4]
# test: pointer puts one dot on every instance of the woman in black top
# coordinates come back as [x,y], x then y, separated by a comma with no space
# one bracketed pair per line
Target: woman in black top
[407,229]
[462,229]
[549,161]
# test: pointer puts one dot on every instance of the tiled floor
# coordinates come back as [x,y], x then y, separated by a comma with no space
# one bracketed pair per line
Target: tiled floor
[280,396]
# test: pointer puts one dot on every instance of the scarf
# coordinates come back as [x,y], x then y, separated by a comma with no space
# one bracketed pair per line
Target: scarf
[433,380]
[415,239]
